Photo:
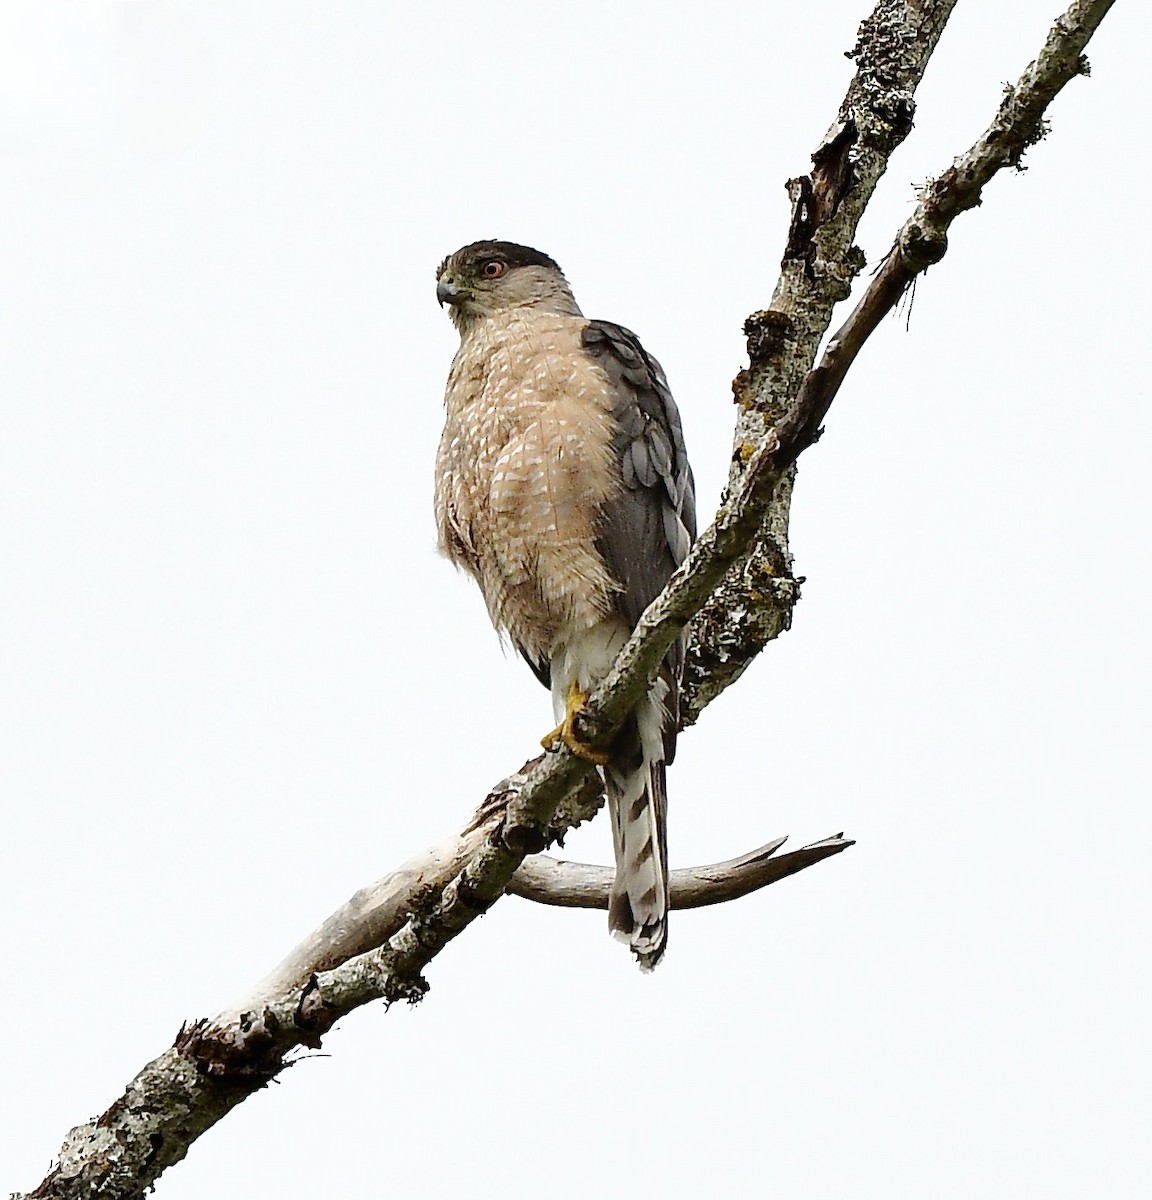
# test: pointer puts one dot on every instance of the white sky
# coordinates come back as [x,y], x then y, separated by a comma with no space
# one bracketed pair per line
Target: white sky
[236,682]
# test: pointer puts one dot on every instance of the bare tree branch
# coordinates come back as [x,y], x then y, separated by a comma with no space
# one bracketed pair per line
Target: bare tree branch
[584,885]
[214,1065]
[379,910]
[755,602]
[923,239]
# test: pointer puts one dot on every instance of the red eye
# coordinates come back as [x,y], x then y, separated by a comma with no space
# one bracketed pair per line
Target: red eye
[493,269]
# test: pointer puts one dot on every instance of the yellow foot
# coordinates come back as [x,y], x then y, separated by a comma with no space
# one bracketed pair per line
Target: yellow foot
[564,731]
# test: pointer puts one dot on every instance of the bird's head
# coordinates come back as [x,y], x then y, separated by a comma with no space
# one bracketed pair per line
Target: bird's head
[485,279]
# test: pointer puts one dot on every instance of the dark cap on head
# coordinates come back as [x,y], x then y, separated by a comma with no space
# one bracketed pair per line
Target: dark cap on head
[511,253]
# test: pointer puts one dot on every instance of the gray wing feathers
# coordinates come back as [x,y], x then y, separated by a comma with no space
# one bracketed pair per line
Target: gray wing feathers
[650,524]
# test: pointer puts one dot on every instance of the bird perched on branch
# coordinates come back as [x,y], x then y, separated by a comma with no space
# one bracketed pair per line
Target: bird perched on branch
[563,488]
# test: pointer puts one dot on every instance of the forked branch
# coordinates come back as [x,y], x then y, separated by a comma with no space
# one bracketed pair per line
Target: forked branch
[923,239]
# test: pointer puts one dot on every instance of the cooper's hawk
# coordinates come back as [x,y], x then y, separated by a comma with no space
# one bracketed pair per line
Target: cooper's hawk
[563,487]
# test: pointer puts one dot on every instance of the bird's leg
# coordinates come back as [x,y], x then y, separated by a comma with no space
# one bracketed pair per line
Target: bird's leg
[577,699]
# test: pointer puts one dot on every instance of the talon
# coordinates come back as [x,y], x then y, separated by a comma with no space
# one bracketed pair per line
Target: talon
[577,699]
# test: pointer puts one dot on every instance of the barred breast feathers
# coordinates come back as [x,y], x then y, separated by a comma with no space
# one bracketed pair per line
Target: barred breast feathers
[524,469]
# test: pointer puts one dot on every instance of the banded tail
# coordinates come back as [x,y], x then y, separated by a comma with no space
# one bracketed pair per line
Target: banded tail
[638,807]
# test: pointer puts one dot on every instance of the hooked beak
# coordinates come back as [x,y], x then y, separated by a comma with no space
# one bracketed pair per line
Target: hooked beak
[448,293]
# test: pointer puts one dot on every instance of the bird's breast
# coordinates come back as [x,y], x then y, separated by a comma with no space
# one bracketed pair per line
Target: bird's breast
[524,469]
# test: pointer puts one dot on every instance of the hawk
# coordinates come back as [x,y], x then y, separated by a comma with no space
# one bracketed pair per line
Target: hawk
[563,487]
